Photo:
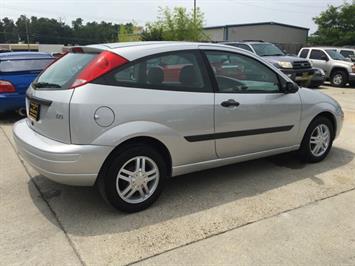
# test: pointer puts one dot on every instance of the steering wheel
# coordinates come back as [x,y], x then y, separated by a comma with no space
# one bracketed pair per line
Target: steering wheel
[228,84]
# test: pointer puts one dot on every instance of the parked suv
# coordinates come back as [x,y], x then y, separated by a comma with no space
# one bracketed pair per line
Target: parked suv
[297,69]
[337,69]
[128,116]
[348,53]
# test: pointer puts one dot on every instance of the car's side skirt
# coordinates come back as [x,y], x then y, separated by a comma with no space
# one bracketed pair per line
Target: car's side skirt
[194,167]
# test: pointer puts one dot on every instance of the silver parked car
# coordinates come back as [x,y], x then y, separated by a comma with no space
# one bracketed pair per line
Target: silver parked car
[127,116]
[337,68]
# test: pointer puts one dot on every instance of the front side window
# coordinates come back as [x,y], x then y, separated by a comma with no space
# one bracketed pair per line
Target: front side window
[179,71]
[236,73]
[317,55]
[304,53]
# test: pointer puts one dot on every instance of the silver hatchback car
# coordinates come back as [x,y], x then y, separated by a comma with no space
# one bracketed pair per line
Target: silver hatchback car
[127,116]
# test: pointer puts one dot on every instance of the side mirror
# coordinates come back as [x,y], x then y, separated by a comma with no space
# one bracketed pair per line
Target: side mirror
[290,87]
[324,58]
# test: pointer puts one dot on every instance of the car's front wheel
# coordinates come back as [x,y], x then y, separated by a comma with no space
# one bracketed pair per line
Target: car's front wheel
[135,178]
[317,140]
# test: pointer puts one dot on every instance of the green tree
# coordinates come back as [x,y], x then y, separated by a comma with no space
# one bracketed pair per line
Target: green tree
[336,25]
[175,25]
[152,32]
[9,31]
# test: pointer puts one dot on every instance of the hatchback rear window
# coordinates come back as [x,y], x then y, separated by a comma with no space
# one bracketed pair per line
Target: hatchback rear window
[60,74]
[17,65]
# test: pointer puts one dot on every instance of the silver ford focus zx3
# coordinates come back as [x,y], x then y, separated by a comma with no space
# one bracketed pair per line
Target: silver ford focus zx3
[127,116]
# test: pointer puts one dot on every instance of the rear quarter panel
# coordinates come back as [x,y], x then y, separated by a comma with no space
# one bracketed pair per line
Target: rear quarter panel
[167,116]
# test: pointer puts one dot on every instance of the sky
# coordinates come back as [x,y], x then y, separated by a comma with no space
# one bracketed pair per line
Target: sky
[222,12]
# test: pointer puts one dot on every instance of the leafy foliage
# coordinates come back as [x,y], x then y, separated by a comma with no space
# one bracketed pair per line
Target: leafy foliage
[336,26]
[51,31]
[175,25]
[129,33]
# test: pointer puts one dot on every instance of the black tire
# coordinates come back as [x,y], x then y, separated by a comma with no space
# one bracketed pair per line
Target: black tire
[339,74]
[352,84]
[313,85]
[305,150]
[107,184]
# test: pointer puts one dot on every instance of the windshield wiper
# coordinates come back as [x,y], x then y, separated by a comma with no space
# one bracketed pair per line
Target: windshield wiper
[45,85]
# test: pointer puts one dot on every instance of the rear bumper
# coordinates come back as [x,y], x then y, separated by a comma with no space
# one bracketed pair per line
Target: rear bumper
[11,102]
[69,164]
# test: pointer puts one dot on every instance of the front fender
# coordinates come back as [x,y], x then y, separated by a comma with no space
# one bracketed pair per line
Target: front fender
[310,111]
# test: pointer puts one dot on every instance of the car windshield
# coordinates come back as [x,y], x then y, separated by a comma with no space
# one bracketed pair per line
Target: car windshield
[267,49]
[335,55]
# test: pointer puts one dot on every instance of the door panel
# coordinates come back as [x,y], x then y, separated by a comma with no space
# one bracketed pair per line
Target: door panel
[251,114]
[317,61]
[260,122]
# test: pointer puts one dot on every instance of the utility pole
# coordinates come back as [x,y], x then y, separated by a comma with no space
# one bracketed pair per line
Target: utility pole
[27,35]
[194,11]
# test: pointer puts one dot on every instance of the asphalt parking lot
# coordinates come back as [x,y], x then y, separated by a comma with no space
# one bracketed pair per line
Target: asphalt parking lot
[272,210]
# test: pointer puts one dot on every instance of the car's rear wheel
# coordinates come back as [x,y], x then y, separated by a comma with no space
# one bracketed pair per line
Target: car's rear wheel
[317,140]
[21,111]
[135,178]
[339,78]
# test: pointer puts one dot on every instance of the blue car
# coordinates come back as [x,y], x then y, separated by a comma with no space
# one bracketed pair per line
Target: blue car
[17,71]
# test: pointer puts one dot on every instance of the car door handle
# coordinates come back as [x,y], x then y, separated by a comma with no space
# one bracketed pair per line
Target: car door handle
[230,103]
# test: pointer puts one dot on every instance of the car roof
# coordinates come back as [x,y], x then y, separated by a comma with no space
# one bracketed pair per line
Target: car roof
[24,55]
[135,50]
[247,42]
[324,47]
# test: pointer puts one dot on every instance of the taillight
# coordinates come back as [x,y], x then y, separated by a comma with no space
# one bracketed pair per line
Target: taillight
[77,50]
[100,65]
[6,86]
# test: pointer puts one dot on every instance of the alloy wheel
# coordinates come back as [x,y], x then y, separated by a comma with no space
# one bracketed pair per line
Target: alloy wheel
[320,140]
[137,179]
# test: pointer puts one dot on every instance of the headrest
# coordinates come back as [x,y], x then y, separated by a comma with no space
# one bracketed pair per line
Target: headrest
[188,75]
[155,75]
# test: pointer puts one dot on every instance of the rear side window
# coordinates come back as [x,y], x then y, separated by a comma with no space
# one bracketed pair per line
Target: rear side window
[304,53]
[178,71]
[243,46]
[317,54]
[62,72]
[347,53]
[16,65]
